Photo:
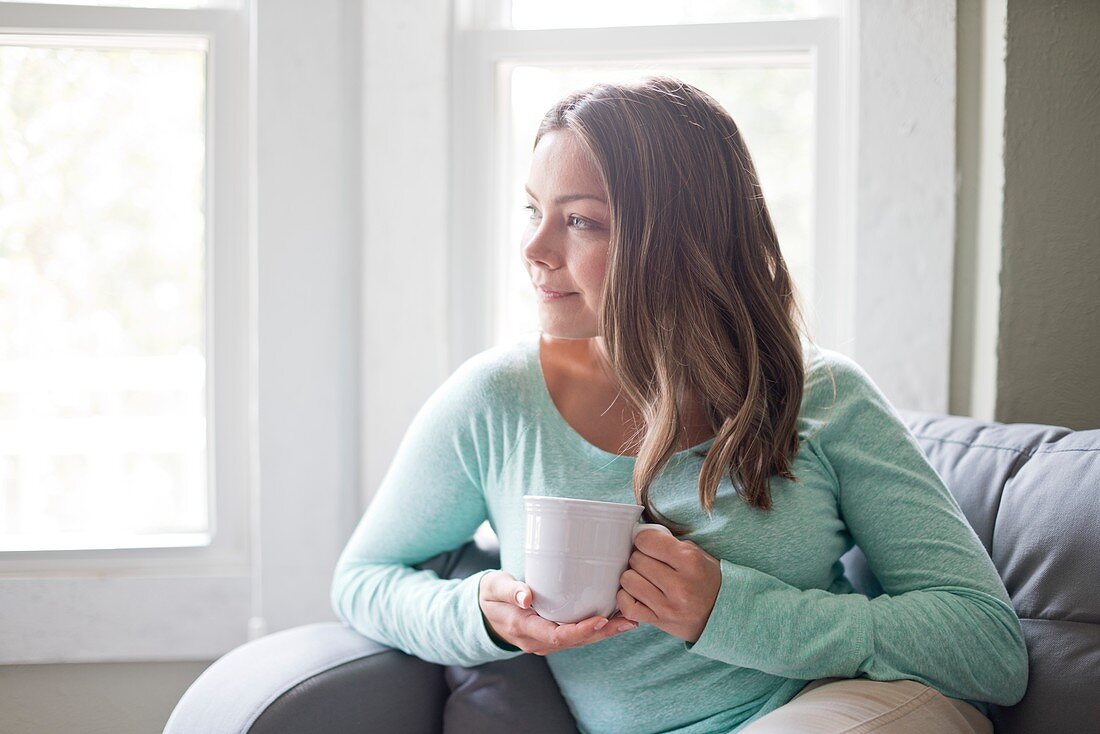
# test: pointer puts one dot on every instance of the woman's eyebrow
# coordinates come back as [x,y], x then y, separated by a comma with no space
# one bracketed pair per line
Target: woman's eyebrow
[566,198]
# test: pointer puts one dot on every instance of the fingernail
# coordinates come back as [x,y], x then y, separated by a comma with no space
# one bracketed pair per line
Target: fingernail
[626,626]
[521,597]
[601,624]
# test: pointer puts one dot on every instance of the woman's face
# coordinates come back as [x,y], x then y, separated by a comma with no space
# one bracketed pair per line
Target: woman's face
[566,242]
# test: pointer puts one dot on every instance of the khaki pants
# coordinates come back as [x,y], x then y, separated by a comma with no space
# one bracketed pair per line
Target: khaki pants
[858,705]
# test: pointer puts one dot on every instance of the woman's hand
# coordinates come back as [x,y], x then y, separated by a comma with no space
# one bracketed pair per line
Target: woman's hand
[506,606]
[670,584]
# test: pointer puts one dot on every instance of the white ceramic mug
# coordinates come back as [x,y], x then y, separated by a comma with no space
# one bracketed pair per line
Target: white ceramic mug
[575,551]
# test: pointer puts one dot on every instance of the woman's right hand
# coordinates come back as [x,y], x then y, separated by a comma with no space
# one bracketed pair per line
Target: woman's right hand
[506,605]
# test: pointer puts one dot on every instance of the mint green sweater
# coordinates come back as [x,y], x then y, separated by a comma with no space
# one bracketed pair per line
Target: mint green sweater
[785,612]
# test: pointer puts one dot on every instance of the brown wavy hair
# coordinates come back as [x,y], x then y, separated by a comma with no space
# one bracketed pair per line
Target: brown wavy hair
[697,299]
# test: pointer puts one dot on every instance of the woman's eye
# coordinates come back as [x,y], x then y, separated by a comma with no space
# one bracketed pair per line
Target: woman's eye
[578,222]
[532,213]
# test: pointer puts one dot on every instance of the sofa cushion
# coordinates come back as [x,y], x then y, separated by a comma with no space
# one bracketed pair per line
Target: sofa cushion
[1046,545]
[505,696]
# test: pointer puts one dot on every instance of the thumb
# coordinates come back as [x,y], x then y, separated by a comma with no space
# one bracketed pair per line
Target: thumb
[523,595]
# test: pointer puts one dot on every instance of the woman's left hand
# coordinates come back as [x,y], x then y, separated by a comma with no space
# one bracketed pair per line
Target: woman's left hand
[670,584]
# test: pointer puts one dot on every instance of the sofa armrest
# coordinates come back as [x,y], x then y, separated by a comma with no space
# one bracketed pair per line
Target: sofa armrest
[315,679]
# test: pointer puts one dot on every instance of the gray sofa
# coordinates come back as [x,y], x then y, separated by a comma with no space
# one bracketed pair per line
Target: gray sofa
[1031,492]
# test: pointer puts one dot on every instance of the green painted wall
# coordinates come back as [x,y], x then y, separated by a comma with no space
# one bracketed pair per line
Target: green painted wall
[92,698]
[1048,352]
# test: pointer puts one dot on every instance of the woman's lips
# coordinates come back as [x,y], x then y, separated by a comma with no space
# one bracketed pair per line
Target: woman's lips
[547,295]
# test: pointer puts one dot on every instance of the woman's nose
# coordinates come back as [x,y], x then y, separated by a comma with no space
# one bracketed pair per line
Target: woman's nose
[540,247]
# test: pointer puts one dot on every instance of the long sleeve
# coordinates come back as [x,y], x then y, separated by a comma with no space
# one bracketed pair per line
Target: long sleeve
[430,501]
[945,618]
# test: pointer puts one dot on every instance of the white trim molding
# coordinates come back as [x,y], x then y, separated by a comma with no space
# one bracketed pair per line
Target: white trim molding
[308,202]
[408,267]
[122,619]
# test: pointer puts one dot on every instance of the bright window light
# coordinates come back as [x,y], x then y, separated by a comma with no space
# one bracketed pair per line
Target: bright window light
[103,405]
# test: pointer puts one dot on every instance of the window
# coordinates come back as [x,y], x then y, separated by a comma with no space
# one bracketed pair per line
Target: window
[124,331]
[103,411]
[775,66]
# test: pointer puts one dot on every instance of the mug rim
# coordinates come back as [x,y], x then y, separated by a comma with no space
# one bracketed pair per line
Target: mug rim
[598,503]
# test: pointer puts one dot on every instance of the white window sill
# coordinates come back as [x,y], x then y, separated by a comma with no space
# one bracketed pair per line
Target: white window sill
[122,619]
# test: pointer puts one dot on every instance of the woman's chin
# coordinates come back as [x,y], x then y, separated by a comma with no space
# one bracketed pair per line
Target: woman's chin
[564,331]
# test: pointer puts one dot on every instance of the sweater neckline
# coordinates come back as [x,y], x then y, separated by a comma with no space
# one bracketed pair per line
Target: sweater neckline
[568,434]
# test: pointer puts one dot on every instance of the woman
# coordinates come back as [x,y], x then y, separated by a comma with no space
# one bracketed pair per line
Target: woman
[670,371]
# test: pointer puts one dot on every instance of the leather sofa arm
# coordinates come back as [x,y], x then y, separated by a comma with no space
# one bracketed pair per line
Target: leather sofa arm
[325,678]
[322,678]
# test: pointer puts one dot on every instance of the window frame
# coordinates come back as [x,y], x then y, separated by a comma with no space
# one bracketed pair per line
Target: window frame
[171,603]
[479,104]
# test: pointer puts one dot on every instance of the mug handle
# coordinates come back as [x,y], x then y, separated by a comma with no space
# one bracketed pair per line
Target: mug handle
[637,529]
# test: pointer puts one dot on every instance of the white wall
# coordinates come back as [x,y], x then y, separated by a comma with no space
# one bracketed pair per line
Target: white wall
[905,230]
[405,276]
[1049,330]
[308,179]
